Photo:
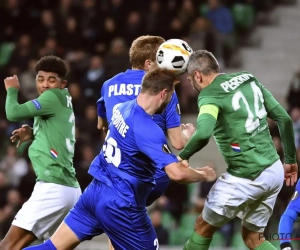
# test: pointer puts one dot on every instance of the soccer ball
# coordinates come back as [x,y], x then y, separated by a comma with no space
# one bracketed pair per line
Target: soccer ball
[174,55]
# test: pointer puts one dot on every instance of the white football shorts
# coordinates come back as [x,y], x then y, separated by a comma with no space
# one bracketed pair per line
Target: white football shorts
[46,208]
[250,200]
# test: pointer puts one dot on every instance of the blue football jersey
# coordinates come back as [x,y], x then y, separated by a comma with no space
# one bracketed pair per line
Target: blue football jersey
[131,154]
[125,87]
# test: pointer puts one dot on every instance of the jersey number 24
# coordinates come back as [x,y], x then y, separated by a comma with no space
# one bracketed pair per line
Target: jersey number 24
[252,121]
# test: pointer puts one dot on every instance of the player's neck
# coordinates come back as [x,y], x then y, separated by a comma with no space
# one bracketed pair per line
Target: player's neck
[209,79]
[148,104]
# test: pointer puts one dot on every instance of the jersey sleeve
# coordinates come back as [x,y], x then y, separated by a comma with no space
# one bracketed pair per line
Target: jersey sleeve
[205,100]
[44,105]
[153,144]
[101,110]
[173,113]
[269,101]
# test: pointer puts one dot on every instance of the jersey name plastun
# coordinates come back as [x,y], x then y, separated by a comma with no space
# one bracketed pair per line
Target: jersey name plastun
[119,123]
[123,89]
[234,82]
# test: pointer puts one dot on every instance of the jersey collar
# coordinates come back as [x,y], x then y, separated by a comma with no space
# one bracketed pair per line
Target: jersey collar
[135,71]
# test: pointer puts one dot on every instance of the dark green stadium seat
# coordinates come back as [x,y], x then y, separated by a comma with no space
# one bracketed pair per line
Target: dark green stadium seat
[168,221]
[188,220]
[203,8]
[243,15]
[6,50]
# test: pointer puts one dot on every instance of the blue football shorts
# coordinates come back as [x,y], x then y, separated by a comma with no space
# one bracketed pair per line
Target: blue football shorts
[100,210]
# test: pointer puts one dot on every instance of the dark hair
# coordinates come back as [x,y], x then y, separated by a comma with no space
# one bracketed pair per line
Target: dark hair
[157,80]
[144,48]
[52,64]
[204,62]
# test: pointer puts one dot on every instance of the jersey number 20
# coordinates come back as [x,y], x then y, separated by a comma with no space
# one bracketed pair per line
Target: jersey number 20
[111,151]
[252,121]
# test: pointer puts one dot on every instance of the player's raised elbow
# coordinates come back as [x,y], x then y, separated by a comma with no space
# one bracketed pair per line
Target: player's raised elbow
[12,117]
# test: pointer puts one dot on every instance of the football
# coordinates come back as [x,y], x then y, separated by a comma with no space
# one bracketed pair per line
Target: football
[174,55]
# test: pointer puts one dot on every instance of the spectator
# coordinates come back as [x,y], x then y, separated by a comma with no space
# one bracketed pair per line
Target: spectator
[293,94]
[222,21]
[161,232]
[27,81]
[117,58]
[94,78]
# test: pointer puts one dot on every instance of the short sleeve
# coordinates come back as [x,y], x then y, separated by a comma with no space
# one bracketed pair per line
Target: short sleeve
[173,113]
[152,142]
[101,110]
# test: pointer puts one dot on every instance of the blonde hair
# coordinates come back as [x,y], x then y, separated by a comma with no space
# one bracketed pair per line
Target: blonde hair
[144,48]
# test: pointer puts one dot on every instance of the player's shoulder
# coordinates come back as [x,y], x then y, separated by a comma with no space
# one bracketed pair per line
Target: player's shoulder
[52,93]
[113,80]
[142,122]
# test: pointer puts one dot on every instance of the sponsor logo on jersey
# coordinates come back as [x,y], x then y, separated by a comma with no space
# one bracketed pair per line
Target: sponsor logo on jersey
[166,149]
[37,104]
[235,147]
[295,195]
[53,153]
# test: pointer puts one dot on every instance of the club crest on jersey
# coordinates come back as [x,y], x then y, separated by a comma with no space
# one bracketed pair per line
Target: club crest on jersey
[53,153]
[295,195]
[166,149]
[235,147]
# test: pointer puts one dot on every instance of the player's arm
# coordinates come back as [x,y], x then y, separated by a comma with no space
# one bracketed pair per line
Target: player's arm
[285,125]
[206,122]
[177,138]
[156,148]
[44,105]
[174,132]
[101,110]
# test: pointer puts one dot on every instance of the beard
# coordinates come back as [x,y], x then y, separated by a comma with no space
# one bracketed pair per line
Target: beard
[162,108]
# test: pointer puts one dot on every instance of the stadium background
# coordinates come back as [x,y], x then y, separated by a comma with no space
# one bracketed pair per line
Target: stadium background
[93,36]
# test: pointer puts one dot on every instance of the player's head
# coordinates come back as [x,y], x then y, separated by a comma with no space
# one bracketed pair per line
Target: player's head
[158,85]
[50,73]
[142,52]
[202,67]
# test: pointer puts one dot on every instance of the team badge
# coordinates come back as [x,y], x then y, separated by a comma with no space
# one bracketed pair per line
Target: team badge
[295,195]
[166,149]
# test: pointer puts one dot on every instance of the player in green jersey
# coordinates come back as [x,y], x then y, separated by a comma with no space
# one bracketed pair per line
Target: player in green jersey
[234,108]
[51,153]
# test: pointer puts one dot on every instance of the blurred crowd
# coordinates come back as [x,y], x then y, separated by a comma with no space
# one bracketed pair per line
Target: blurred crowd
[93,37]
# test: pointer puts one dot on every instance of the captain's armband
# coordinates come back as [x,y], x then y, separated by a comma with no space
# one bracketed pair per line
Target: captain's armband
[209,109]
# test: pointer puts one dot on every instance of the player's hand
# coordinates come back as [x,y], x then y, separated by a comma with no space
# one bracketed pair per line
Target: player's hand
[22,134]
[188,129]
[12,82]
[291,174]
[208,173]
[185,163]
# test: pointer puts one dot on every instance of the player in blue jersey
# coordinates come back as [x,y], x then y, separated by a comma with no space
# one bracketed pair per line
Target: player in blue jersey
[288,219]
[126,86]
[115,201]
